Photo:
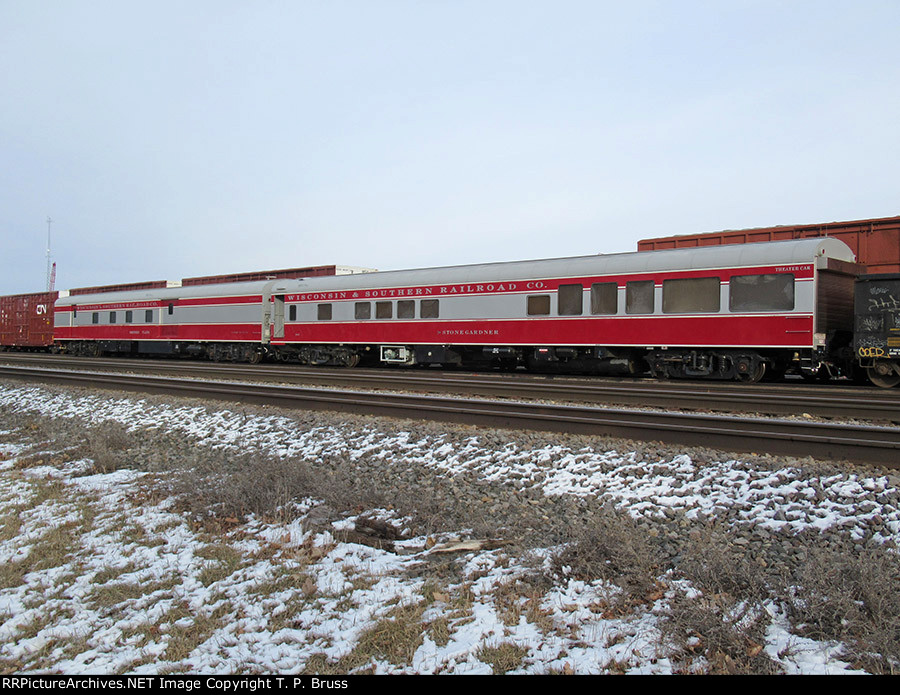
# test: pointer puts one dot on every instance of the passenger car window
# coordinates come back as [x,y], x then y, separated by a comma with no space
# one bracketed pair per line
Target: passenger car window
[384,310]
[406,309]
[770,292]
[571,300]
[604,298]
[429,308]
[539,305]
[691,295]
[639,297]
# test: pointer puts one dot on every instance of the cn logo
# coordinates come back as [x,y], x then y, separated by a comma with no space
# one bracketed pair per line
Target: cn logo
[41,309]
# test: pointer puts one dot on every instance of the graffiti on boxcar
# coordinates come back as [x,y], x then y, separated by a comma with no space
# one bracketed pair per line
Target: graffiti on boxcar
[873,351]
[889,303]
[869,324]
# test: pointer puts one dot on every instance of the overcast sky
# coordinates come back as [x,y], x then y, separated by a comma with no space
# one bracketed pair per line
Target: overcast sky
[171,139]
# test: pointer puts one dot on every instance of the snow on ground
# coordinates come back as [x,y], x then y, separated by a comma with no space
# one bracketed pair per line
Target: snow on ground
[102,576]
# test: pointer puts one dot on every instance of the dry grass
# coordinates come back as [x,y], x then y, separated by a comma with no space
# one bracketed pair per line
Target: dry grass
[114,594]
[55,548]
[320,665]
[854,597]
[10,525]
[52,648]
[725,622]
[395,637]
[511,602]
[229,485]
[716,566]
[729,634]
[285,616]
[222,562]
[439,631]
[111,596]
[503,657]
[611,546]
[107,445]
[183,639]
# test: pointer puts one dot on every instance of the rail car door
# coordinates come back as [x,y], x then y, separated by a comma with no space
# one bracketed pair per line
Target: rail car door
[272,313]
[278,316]
[168,319]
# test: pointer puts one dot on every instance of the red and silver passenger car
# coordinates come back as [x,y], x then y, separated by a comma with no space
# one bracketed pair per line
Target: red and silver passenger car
[718,312]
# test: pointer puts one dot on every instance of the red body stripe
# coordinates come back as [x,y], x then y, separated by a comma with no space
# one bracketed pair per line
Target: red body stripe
[204,332]
[712,330]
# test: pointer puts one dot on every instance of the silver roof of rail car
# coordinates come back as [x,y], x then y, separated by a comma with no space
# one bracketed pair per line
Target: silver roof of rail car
[235,289]
[733,255]
[708,257]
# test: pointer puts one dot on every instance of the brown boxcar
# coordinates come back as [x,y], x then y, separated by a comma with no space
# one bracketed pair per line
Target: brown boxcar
[290,273]
[127,287]
[876,242]
[26,320]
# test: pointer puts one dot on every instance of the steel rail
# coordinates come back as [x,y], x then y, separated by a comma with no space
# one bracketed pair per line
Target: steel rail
[831,401]
[827,441]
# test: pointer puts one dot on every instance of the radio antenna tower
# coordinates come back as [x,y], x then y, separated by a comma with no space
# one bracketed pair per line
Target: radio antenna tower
[49,279]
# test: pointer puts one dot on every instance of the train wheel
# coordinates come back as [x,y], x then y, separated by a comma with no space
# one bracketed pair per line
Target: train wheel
[660,371]
[753,376]
[349,360]
[883,374]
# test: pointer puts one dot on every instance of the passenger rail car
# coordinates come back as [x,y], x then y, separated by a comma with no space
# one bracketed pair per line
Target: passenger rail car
[727,312]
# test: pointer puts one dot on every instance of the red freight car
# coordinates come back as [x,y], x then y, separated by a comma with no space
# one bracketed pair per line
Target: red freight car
[876,243]
[26,320]
[312,271]
[128,287]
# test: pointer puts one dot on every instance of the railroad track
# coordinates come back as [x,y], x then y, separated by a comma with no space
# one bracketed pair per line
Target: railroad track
[825,401]
[821,440]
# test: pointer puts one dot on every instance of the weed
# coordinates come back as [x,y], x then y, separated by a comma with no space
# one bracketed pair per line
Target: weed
[395,637]
[727,632]
[110,595]
[503,657]
[319,665]
[723,618]
[10,525]
[716,566]
[508,603]
[184,636]
[223,561]
[284,616]
[853,597]
[611,546]
[107,446]
[228,485]
[54,548]
[439,631]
